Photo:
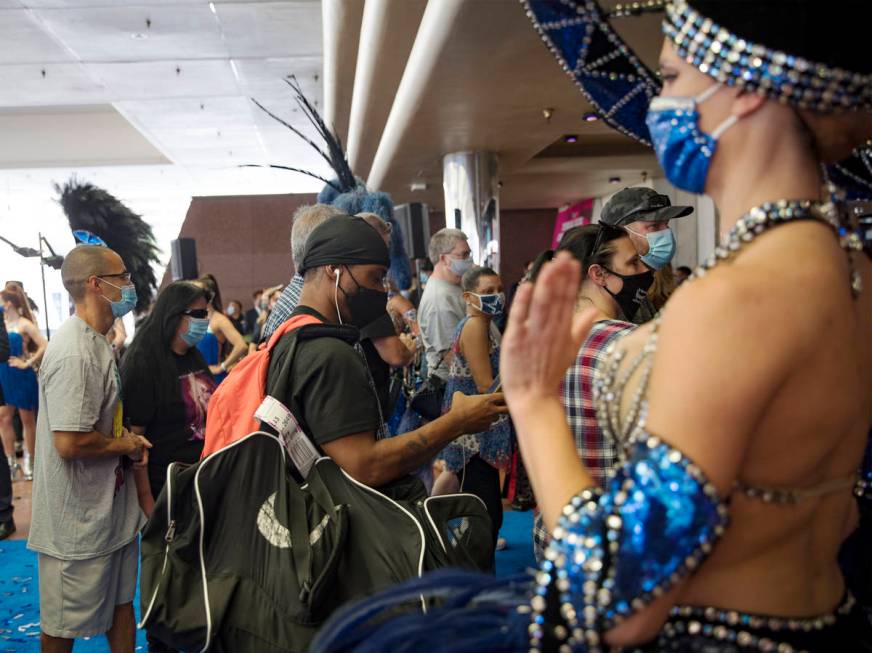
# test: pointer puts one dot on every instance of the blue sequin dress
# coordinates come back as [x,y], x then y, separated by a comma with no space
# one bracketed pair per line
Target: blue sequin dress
[20,387]
[211,350]
[493,446]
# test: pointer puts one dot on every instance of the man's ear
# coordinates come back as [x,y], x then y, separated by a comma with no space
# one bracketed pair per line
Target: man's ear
[597,274]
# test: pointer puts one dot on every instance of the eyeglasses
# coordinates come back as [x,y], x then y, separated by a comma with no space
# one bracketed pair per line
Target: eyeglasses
[199,313]
[121,275]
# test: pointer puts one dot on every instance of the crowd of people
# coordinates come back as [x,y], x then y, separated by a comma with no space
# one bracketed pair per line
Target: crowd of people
[649,409]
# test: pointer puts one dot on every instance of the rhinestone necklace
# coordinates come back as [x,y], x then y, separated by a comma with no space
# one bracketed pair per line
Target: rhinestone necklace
[764,217]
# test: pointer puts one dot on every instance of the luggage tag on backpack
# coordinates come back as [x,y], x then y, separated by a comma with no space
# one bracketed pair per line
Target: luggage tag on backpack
[304,454]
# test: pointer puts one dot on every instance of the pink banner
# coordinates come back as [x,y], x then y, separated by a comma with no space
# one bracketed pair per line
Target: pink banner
[574,215]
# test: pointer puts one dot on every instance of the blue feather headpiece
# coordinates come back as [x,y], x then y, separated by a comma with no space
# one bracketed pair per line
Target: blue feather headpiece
[345,191]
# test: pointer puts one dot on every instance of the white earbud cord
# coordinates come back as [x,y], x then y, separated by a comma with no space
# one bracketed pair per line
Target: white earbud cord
[336,296]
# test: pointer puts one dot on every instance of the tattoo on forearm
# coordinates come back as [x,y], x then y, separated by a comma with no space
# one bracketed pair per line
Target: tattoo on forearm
[418,444]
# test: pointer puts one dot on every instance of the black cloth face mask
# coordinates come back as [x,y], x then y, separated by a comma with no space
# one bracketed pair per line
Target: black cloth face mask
[633,293]
[366,305]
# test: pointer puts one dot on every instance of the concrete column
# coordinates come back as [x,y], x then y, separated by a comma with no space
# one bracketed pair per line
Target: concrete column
[471,183]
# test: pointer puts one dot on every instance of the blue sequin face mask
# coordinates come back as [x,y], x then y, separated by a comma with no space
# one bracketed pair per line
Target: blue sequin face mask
[685,151]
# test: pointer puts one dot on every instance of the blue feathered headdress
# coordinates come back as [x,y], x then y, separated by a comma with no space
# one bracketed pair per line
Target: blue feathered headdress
[347,192]
[580,35]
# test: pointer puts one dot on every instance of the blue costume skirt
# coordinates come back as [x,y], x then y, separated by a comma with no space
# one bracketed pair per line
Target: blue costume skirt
[20,388]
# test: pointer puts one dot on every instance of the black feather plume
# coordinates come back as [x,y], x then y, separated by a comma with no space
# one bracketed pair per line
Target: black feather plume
[300,170]
[93,209]
[334,156]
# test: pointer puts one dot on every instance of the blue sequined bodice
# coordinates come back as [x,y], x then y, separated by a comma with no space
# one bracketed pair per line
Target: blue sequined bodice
[615,551]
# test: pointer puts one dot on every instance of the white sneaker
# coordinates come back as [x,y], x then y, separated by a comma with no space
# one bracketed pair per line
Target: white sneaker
[27,467]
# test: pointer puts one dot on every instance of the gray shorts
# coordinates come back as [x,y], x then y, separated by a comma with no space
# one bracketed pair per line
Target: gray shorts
[77,598]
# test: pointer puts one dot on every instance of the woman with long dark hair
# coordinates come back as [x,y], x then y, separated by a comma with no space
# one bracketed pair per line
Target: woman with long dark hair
[167,384]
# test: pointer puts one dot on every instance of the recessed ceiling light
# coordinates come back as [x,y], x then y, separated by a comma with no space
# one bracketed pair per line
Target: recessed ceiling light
[570,138]
[418,186]
[614,180]
[590,116]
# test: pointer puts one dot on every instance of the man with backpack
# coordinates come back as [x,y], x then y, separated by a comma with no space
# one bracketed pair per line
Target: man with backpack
[327,385]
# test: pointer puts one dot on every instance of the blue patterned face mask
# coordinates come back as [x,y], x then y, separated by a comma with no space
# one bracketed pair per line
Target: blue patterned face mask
[491,304]
[685,151]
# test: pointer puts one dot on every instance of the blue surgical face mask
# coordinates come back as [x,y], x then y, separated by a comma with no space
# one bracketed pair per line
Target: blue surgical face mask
[661,247]
[685,151]
[493,304]
[460,265]
[197,327]
[127,302]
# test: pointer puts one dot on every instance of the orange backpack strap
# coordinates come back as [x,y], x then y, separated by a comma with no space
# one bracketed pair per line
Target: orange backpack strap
[292,323]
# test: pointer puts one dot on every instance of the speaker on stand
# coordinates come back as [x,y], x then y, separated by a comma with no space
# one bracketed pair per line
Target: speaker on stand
[414,220]
[183,261]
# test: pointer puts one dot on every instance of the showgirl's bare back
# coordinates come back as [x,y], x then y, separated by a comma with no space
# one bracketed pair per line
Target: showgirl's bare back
[763,374]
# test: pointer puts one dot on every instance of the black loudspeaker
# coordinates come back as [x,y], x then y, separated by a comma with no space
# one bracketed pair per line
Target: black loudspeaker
[415,223]
[183,262]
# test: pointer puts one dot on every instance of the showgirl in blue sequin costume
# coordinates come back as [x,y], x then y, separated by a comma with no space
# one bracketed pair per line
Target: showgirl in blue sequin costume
[18,378]
[742,411]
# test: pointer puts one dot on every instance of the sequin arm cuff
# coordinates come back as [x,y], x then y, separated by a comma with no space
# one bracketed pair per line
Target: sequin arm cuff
[613,552]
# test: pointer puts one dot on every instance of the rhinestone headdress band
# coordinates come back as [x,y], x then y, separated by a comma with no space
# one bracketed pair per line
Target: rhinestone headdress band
[735,61]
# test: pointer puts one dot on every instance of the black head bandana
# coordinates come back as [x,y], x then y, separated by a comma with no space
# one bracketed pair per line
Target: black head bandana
[344,240]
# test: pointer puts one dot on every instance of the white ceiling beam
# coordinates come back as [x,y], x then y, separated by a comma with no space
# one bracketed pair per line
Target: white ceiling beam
[387,35]
[340,21]
[433,35]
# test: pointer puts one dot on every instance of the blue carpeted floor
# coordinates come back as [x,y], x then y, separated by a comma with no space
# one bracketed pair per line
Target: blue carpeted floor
[518,555]
[19,590]
[19,605]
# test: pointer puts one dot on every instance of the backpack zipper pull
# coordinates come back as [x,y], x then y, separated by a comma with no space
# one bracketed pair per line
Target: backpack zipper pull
[171,532]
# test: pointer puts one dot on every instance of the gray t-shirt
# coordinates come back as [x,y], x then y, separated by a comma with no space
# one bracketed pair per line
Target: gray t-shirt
[440,311]
[81,508]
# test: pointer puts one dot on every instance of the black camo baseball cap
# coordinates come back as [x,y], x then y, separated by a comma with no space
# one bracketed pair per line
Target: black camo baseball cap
[640,203]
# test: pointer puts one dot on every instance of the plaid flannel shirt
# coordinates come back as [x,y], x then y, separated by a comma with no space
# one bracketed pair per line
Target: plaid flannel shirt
[285,305]
[594,450]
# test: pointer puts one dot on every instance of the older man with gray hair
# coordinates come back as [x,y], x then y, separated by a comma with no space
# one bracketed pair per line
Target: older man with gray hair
[442,306]
[305,219]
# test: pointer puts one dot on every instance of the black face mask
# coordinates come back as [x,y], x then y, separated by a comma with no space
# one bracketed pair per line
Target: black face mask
[633,293]
[366,305]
